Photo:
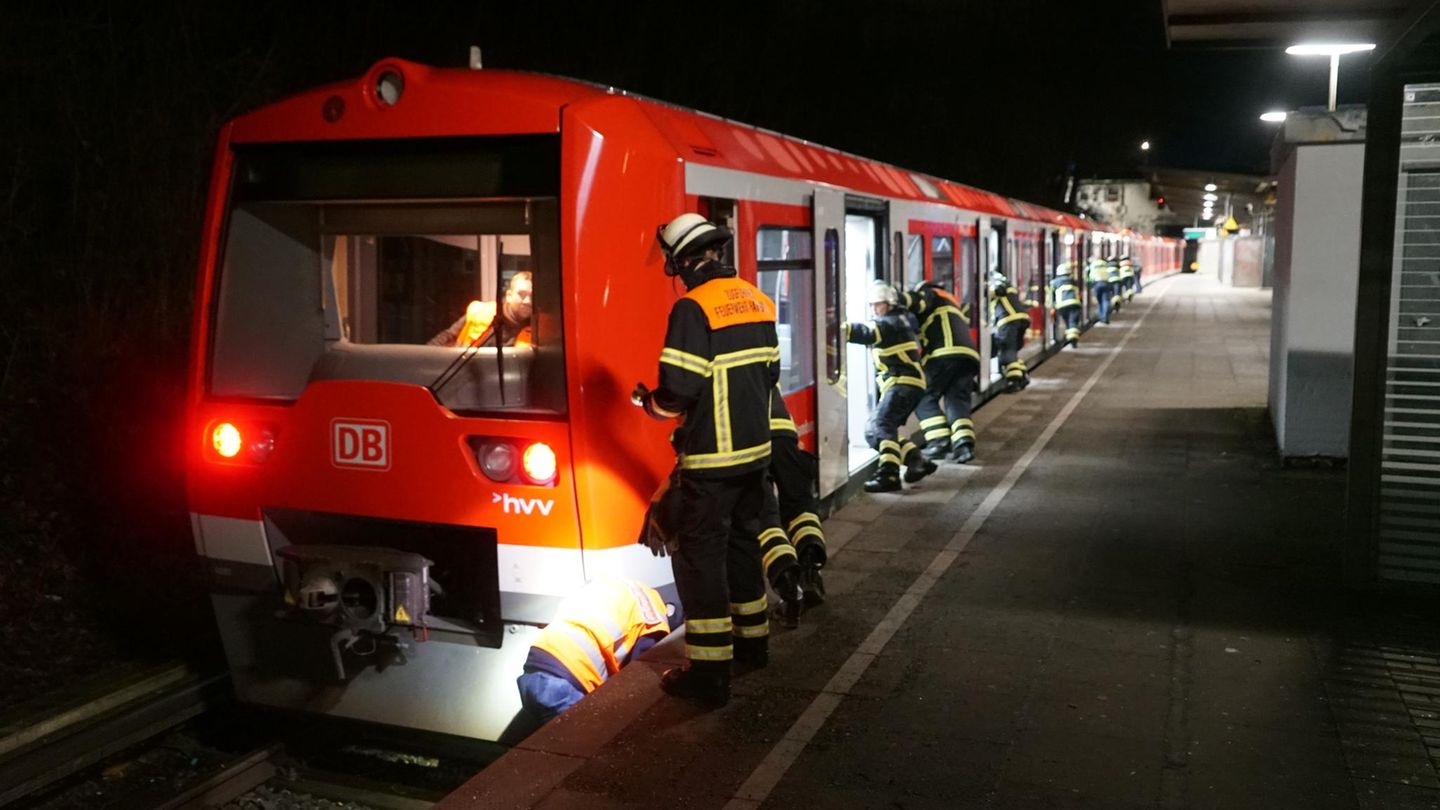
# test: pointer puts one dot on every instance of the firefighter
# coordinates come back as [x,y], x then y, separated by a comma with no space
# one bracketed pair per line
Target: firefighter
[479,326]
[1127,278]
[896,354]
[1065,300]
[795,473]
[596,631]
[1009,319]
[1117,284]
[952,368]
[719,364]
[1099,277]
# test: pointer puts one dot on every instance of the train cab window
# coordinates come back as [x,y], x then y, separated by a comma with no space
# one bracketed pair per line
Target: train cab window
[785,271]
[914,260]
[323,279]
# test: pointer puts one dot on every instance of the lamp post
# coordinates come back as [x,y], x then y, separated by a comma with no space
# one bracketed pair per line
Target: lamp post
[1334,51]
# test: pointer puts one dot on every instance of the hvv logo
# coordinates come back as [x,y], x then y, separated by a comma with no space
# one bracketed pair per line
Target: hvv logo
[522,506]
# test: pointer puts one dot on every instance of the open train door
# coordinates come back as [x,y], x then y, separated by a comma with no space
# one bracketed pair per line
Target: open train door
[831,410]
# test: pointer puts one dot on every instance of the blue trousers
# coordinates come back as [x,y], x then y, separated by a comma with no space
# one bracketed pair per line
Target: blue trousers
[1102,296]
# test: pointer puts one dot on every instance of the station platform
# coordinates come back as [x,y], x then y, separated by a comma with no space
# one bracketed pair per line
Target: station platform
[1125,602]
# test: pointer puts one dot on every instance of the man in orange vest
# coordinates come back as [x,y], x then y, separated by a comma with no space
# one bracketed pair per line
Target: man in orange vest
[479,326]
[596,631]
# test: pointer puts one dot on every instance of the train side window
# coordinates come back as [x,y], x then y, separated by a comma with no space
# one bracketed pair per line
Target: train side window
[914,260]
[942,262]
[834,311]
[785,264]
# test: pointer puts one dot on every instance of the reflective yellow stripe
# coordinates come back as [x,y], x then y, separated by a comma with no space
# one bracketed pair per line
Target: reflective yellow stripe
[1019,316]
[804,532]
[889,382]
[937,433]
[1015,364]
[710,461]
[783,426]
[753,630]
[932,421]
[744,357]
[709,653]
[888,444]
[686,361]
[951,351]
[964,433]
[802,517]
[890,458]
[899,348]
[771,533]
[724,440]
[782,550]
[748,608]
[720,625]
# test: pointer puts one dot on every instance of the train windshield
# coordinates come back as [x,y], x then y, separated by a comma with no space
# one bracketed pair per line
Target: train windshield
[434,263]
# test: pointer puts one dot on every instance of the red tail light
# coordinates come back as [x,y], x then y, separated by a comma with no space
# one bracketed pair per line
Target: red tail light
[226,440]
[240,442]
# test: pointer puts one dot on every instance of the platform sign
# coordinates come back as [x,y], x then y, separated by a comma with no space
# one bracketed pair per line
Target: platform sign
[1199,233]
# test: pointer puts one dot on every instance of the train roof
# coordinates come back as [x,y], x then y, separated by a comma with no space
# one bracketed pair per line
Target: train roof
[533,102]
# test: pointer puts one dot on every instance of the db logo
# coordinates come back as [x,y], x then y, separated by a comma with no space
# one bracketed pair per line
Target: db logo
[361,444]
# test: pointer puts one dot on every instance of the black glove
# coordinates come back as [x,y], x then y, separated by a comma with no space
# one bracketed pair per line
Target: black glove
[639,395]
[660,531]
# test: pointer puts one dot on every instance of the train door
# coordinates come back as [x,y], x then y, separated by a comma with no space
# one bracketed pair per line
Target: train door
[968,286]
[999,262]
[831,411]
[864,262]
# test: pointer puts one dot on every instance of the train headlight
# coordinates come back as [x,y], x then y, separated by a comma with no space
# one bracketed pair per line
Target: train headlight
[539,463]
[389,86]
[226,440]
[497,461]
[262,445]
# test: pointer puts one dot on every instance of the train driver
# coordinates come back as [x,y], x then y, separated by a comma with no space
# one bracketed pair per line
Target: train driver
[479,326]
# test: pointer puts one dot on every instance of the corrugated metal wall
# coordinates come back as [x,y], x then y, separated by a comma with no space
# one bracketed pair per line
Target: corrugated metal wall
[1408,546]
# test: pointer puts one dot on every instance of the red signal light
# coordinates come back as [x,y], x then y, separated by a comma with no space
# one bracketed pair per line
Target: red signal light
[226,440]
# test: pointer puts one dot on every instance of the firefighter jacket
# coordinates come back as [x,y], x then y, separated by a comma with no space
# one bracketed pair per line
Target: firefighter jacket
[720,363]
[1127,270]
[944,329]
[477,327]
[1096,272]
[1006,307]
[1064,293]
[780,422]
[1112,272]
[893,348]
[598,628]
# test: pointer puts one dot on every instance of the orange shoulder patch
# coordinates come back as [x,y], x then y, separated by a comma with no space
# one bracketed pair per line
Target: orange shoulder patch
[732,302]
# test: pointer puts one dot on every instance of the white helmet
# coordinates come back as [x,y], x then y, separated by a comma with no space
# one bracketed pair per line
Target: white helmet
[687,235]
[883,293]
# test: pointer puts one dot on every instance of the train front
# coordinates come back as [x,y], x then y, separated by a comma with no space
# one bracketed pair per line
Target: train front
[380,472]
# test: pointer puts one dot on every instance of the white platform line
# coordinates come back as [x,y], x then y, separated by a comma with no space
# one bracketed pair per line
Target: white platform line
[777,762]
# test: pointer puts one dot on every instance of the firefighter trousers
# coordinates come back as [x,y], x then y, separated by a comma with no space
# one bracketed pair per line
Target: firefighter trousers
[948,380]
[882,432]
[796,475]
[1070,316]
[717,567]
[1009,338]
[776,551]
[1102,299]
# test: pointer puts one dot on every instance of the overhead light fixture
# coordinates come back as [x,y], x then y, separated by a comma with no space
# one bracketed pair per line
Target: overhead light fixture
[1334,50]
[1144,146]
[1207,216]
[1210,186]
[1211,197]
[1329,48]
[1274,116]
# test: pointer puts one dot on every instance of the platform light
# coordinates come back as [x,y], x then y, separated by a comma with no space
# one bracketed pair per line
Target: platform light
[1210,187]
[1334,50]
[1144,146]
[1211,197]
[1274,116]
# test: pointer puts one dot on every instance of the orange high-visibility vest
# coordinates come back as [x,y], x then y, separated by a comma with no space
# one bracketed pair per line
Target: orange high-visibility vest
[479,318]
[596,628]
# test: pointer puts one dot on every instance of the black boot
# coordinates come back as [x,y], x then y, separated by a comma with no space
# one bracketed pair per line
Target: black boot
[935,450]
[963,453]
[918,468]
[885,480]
[792,598]
[752,653]
[812,585]
[709,687]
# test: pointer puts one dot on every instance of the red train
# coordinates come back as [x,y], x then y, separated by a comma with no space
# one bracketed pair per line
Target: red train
[387,522]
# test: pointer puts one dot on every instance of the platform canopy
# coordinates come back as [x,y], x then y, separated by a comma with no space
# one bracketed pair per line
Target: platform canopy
[1277,23]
